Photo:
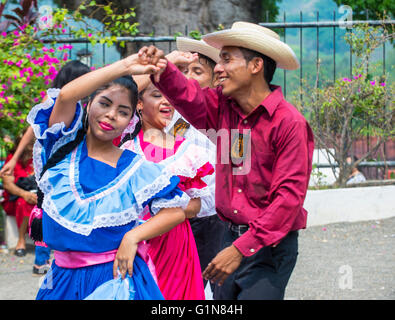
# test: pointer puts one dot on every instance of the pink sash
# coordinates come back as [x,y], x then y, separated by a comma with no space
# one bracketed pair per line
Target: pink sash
[79,259]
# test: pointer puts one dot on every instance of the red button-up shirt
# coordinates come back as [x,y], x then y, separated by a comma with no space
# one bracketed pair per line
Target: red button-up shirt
[268,189]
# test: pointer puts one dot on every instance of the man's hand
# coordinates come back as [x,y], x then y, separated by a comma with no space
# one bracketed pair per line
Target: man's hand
[153,56]
[224,264]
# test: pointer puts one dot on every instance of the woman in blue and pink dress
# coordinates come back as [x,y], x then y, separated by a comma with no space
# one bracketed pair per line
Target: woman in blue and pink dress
[93,193]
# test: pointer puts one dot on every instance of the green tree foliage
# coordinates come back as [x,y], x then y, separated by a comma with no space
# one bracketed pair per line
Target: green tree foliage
[373,8]
[353,107]
[28,64]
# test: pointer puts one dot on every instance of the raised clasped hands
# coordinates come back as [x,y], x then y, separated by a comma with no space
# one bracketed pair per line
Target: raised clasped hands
[151,60]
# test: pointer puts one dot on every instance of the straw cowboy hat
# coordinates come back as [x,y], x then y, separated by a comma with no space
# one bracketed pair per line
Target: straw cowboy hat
[254,37]
[199,46]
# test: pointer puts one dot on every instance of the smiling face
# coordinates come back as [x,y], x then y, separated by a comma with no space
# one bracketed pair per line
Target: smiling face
[233,71]
[109,113]
[157,112]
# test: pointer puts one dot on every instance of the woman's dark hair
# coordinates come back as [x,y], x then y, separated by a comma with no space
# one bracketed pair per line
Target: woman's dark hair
[269,65]
[70,71]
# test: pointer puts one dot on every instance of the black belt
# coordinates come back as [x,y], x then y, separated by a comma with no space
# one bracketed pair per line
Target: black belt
[238,228]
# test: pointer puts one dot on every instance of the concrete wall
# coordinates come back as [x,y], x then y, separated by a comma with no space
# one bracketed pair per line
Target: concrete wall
[349,204]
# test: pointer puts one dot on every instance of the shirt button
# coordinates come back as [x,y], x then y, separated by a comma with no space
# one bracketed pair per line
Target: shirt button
[240,168]
[235,211]
[252,250]
[245,121]
[239,191]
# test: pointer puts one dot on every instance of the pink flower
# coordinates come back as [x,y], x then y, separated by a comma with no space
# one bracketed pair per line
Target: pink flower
[347,80]
[5,87]
[382,84]
[45,49]
[16,33]
[22,120]
[4,34]
[36,100]
[2,94]
[10,63]
[373,82]
[19,63]
[89,35]
[63,30]
[1,106]
[52,50]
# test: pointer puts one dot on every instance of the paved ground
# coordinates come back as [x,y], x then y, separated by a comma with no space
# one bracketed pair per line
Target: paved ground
[336,261]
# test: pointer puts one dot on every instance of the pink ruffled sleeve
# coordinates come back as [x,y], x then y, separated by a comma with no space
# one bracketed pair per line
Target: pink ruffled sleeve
[195,187]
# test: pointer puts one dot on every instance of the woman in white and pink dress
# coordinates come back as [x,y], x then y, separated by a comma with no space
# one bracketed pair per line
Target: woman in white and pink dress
[174,253]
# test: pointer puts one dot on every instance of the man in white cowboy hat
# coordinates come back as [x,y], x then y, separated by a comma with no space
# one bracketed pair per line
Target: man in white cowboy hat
[262,204]
[207,228]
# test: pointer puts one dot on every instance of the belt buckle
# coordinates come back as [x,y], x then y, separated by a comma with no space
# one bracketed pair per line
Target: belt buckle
[238,228]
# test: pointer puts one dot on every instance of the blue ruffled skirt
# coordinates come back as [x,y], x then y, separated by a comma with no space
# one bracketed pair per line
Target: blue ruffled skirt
[77,284]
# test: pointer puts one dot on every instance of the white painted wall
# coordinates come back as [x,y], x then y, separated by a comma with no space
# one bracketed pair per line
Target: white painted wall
[349,204]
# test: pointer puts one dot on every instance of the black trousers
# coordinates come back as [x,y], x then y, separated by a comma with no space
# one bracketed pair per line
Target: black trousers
[208,233]
[262,276]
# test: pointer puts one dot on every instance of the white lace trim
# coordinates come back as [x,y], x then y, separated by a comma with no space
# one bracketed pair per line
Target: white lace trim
[37,162]
[74,164]
[177,202]
[67,135]
[198,193]
[52,93]
[155,187]
[187,164]
[105,220]
[114,218]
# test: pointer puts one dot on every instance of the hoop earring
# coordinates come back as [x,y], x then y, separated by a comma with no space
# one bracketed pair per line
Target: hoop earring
[86,123]
[140,115]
